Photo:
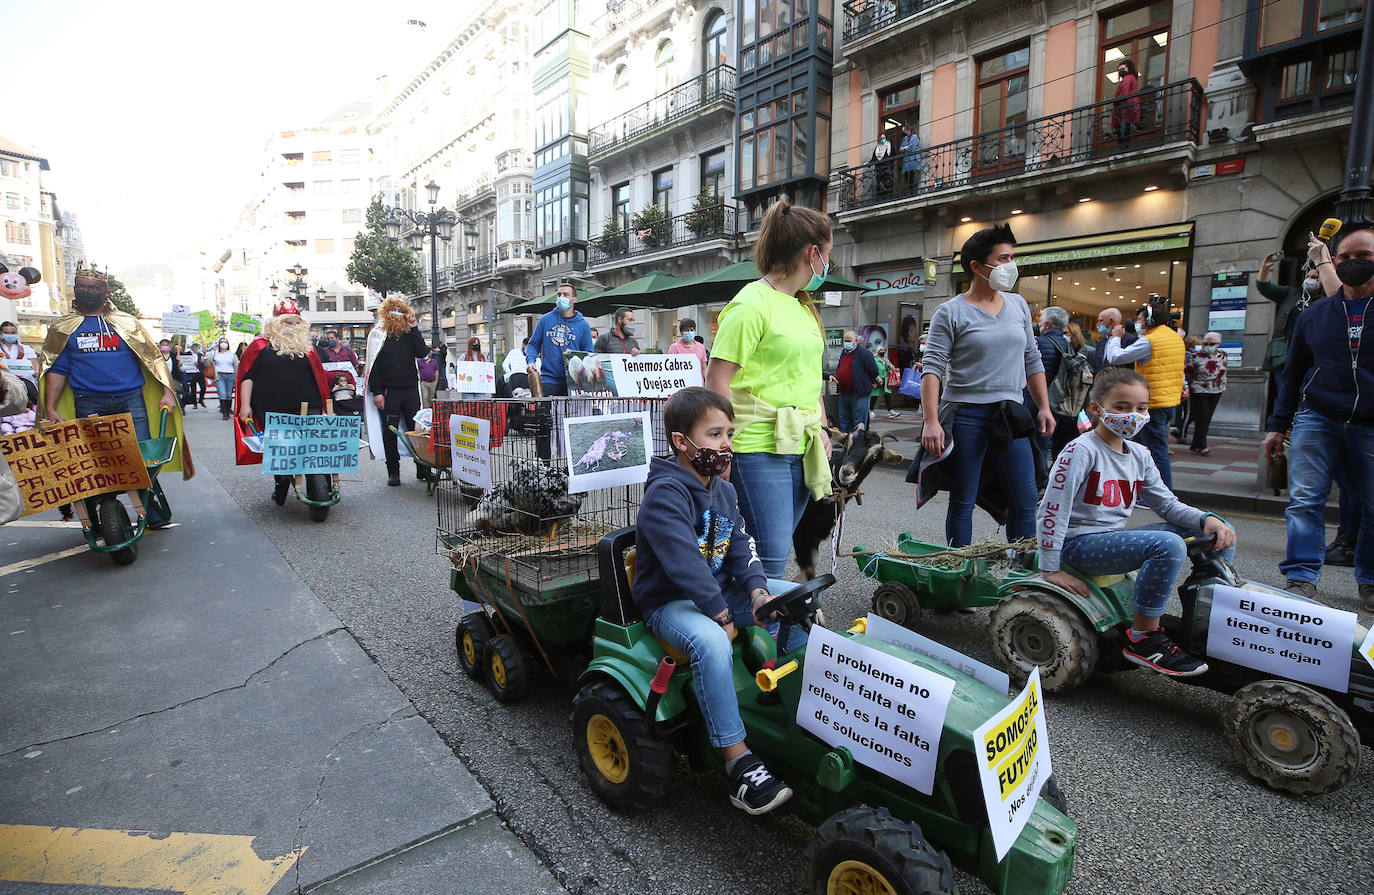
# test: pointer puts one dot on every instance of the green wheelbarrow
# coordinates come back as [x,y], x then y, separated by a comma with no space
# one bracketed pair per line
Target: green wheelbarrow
[435,462]
[104,519]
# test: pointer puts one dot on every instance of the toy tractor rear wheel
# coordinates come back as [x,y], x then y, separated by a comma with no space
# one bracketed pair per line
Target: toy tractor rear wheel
[1292,737]
[1051,793]
[625,763]
[867,851]
[1034,628]
[471,641]
[897,603]
[506,668]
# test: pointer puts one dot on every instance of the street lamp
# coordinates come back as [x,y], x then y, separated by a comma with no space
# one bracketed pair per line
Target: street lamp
[437,224]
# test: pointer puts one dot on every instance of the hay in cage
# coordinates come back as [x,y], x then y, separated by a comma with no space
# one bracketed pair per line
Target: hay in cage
[579,537]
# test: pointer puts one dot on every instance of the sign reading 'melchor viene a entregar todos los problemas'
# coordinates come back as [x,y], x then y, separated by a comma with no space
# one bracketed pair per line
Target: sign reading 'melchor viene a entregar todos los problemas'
[889,713]
[1281,635]
[297,445]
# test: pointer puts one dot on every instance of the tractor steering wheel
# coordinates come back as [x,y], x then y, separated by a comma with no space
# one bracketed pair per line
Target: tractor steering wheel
[797,606]
[1200,545]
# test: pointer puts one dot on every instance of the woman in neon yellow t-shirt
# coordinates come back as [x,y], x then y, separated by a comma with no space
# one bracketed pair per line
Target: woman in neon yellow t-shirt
[767,360]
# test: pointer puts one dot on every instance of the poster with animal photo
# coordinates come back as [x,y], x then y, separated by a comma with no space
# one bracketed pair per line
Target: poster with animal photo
[606,451]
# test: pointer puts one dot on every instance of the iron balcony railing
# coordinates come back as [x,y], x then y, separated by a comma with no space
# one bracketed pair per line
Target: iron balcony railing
[683,101]
[455,274]
[1157,116]
[863,17]
[715,222]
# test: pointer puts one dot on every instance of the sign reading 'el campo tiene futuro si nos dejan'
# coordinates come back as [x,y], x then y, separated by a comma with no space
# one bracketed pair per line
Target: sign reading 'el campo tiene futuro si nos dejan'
[308,445]
[888,712]
[1282,635]
[1014,763]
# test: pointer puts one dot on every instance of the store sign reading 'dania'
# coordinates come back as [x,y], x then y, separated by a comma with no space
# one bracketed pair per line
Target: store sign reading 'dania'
[904,279]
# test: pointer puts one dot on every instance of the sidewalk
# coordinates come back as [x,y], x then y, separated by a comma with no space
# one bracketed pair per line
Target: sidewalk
[199,721]
[1226,480]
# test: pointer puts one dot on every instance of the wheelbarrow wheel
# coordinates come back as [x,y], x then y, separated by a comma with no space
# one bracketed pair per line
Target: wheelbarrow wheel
[115,528]
[317,488]
[626,765]
[897,603]
[474,630]
[1034,628]
[506,668]
[865,849]
[1292,738]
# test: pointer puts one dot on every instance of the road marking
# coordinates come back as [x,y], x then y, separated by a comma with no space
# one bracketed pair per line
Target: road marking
[43,523]
[191,863]
[40,560]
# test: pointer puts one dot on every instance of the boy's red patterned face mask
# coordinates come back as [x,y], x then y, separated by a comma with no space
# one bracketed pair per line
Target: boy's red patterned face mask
[709,461]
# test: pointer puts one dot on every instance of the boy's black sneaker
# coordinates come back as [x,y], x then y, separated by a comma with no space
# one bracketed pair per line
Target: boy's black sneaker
[1158,653]
[754,790]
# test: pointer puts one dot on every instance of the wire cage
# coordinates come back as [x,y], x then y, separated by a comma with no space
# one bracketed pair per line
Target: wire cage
[528,530]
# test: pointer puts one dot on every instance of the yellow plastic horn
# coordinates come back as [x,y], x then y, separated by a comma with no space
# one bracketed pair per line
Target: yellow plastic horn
[768,678]
[860,626]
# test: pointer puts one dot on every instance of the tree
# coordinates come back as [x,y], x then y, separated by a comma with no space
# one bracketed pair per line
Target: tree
[378,262]
[121,299]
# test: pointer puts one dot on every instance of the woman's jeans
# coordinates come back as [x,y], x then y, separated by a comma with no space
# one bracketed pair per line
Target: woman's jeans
[1014,466]
[703,641]
[224,388]
[107,405]
[1156,551]
[772,495]
[1317,445]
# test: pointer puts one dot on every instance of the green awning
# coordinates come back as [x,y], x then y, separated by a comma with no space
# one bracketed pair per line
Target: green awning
[1092,249]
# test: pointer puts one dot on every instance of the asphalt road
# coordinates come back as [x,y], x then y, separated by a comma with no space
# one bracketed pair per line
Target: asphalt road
[1160,803]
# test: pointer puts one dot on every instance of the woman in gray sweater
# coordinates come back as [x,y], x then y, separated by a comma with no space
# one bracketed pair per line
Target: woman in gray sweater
[980,354]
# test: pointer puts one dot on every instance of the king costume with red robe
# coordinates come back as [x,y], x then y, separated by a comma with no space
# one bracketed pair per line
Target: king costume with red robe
[243,456]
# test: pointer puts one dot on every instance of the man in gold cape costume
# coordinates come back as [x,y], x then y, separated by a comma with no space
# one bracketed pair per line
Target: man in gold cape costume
[158,390]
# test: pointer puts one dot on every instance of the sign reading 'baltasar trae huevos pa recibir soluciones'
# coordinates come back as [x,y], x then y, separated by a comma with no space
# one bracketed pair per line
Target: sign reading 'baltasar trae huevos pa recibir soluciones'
[889,713]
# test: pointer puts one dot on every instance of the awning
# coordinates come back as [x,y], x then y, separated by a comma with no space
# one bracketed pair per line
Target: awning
[1092,249]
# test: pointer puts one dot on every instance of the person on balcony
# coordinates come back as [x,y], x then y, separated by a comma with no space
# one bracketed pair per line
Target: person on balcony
[1126,113]
[620,340]
[882,166]
[911,157]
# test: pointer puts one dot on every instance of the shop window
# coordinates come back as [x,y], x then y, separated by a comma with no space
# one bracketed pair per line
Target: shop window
[1140,35]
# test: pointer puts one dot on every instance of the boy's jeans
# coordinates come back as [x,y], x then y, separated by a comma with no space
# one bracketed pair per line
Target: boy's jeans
[1156,551]
[703,641]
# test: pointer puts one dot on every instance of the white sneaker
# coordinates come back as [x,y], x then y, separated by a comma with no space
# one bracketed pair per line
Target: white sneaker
[893,414]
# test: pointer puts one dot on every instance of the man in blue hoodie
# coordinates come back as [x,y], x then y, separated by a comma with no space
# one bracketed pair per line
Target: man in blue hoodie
[1326,393]
[698,574]
[559,331]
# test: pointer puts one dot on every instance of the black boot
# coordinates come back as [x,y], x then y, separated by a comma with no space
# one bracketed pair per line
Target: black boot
[1342,550]
[280,491]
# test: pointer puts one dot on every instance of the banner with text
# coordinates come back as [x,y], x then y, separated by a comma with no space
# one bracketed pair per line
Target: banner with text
[1014,764]
[886,711]
[310,445]
[631,376]
[895,634]
[470,439]
[1281,635]
[55,465]
[472,376]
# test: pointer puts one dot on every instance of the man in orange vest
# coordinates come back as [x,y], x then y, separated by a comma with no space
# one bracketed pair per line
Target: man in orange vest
[1158,356]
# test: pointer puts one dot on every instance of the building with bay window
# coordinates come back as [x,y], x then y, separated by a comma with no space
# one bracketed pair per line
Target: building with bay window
[1231,146]
[562,104]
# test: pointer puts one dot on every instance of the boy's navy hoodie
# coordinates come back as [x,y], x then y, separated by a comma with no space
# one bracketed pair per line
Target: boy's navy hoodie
[690,541]
[1320,372]
[553,334]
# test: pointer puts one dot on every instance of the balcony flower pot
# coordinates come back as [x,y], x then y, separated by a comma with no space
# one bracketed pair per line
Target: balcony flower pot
[707,217]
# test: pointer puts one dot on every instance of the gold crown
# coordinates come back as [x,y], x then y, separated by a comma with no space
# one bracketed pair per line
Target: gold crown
[91,273]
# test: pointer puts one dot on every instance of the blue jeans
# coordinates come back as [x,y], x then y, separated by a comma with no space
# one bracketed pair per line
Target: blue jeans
[1318,444]
[1156,551]
[852,410]
[703,641]
[224,386]
[1155,437]
[106,405]
[1014,466]
[772,495]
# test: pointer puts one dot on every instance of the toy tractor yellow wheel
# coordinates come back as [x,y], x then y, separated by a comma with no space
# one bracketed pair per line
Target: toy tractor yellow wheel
[506,668]
[897,603]
[471,641]
[867,851]
[625,763]
[1033,628]
[1292,737]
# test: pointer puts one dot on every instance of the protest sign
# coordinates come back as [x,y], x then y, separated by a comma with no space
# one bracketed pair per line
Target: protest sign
[895,634]
[1014,762]
[470,439]
[245,323]
[22,367]
[55,465]
[1281,635]
[886,711]
[180,322]
[308,445]
[472,376]
[188,362]
[631,376]
[607,450]
[1367,648]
